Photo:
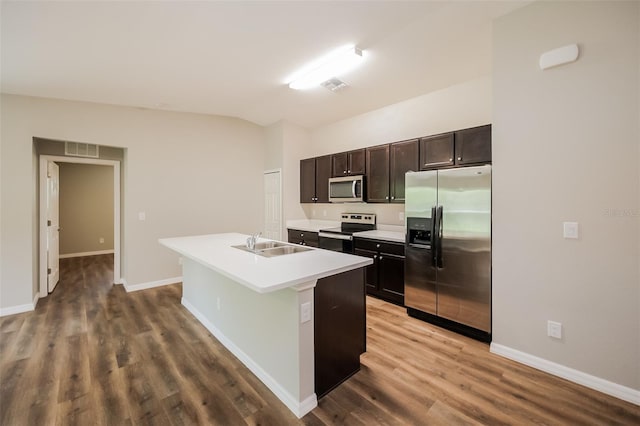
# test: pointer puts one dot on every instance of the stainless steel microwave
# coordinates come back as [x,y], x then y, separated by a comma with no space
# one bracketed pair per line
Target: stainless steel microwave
[348,189]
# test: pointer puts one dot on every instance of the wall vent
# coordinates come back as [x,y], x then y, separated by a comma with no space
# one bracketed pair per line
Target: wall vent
[81,149]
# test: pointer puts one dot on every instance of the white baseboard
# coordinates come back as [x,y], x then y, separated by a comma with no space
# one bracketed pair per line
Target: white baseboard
[299,408]
[86,253]
[152,284]
[12,310]
[576,376]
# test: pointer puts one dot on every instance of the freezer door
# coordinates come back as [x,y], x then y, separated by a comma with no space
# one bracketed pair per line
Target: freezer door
[420,193]
[464,270]
[419,273]
[419,280]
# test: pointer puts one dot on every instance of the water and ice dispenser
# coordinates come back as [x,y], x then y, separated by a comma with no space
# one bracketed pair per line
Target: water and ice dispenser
[419,231]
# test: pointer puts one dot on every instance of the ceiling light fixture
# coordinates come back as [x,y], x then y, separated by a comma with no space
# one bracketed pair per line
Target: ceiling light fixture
[334,64]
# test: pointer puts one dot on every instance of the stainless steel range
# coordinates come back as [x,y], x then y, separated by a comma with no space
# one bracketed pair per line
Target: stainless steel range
[341,238]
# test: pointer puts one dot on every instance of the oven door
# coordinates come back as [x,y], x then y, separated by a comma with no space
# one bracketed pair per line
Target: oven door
[336,242]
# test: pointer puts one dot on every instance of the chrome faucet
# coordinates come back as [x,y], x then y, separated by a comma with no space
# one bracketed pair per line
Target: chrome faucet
[251,241]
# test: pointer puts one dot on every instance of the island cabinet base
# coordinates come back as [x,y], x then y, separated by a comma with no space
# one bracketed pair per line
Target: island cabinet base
[296,355]
[339,328]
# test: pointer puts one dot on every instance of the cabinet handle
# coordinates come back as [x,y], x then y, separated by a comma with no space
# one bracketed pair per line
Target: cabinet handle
[375,256]
[451,159]
[348,171]
[301,235]
[380,258]
[386,198]
[344,171]
[393,198]
[459,158]
[377,245]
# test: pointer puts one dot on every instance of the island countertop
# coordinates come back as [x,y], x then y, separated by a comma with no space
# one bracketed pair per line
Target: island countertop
[259,273]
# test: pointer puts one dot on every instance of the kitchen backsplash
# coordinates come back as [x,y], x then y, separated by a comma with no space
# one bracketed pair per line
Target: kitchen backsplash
[388,214]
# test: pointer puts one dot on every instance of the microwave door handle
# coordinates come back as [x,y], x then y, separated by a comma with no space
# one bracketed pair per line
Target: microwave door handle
[353,188]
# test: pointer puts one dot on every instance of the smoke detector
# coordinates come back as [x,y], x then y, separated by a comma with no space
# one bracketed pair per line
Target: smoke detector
[334,84]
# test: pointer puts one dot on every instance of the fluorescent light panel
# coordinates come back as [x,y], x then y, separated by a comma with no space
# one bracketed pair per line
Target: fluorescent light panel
[336,63]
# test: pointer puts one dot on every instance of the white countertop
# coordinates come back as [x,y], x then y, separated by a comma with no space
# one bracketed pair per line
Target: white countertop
[311,225]
[380,234]
[259,273]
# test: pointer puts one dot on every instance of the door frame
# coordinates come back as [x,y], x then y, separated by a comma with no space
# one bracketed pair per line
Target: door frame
[279,172]
[42,180]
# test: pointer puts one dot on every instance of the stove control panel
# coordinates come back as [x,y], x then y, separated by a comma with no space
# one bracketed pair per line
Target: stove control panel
[363,218]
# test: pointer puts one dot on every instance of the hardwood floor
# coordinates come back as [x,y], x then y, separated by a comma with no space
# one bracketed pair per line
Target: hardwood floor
[92,354]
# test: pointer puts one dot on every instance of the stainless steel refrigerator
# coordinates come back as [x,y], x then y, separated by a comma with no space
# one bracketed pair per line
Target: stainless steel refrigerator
[448,248]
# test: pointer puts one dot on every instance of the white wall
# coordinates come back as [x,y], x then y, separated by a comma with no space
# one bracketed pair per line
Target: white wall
[191,174]
[566,148]
[456,107]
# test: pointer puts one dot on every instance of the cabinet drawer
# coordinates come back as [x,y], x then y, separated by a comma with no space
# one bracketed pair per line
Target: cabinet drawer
[297,236]
[379,246]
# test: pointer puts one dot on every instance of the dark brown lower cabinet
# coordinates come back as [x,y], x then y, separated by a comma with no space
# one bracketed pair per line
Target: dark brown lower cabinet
[304,238]
[340,328]
[385,277]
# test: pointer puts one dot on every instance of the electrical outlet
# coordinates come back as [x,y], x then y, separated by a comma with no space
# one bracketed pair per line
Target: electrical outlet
[554,329]
[142,216]
[570,230]
[401,216]
[101,240]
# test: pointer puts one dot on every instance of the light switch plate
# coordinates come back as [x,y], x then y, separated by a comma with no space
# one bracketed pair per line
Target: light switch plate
[142,216]
[305,312]
[570,230]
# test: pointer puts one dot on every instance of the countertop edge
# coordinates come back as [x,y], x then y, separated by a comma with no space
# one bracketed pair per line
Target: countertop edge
[281,286]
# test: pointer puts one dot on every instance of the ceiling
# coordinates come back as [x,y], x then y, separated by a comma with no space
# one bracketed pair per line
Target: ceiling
[233,58]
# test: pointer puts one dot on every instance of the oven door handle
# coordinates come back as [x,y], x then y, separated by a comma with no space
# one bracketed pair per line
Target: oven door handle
[335,236]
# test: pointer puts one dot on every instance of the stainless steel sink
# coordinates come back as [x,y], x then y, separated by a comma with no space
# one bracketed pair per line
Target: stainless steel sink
[281,251]
[269,245]
[273,249]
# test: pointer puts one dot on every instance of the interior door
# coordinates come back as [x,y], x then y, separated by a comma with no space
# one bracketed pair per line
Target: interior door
[272,206]
[53,225]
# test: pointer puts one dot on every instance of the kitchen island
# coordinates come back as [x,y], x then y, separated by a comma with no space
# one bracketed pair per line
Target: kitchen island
[296,320]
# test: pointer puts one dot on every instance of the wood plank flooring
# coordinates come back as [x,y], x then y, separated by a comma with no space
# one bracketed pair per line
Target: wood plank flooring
[92,354]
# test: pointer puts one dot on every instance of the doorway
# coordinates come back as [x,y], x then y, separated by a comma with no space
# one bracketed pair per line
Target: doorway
[273,204]
[48,253]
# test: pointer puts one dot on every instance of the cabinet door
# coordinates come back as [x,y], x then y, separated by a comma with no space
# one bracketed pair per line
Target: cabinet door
[323,172]
[436,151]
[356,162]
[391,277]
[309,238]
[308,180]
[378,174]
[293,236]
[403,156]
[473,145]
[371,271]
[339,164]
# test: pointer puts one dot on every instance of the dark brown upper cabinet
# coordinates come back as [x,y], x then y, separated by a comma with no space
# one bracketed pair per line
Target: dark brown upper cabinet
[436,151]
[403,157]
[378,176]
[473,145]
[348,163]
[314,179]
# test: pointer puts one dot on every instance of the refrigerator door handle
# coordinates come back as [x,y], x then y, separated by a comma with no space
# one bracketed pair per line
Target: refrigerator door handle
[434,237]
[439,262]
